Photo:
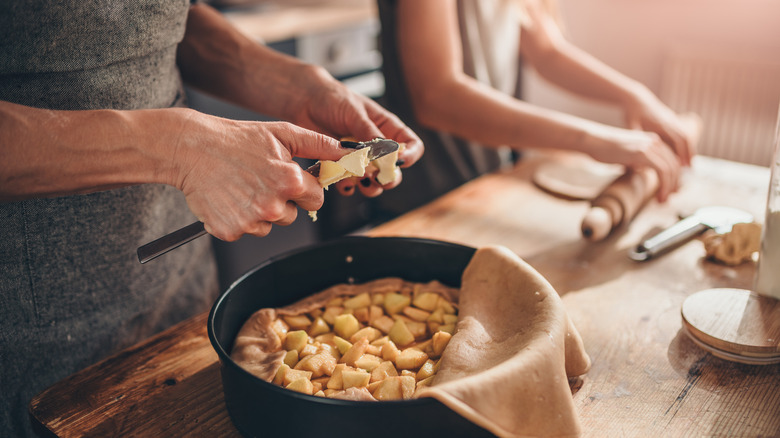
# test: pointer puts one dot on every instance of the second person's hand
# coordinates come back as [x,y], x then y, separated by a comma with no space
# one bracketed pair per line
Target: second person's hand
[331,108]
[636,149]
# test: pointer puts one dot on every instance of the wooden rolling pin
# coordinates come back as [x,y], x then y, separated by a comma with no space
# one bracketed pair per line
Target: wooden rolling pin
[619,203]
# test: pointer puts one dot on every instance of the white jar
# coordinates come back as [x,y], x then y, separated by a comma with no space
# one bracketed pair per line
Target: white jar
[768,275]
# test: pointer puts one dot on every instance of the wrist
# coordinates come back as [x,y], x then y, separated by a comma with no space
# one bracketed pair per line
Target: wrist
[637,96]
[160,138]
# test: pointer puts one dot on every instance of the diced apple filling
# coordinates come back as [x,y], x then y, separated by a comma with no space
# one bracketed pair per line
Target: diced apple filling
[390,344]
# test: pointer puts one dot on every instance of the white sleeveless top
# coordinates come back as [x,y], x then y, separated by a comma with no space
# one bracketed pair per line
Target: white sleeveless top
[490,41]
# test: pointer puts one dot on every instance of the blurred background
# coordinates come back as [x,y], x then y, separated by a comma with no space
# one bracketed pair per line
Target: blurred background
[717,58]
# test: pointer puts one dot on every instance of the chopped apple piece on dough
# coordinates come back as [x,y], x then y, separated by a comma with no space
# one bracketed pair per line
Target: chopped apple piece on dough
[390,351]
[400,334]
[292,375]
[410,358]
[395,388]
[303,385]
[355,351]
[426,370]
[356,378]
[346,325]
[440,341]
[384,370]
[426,301]
[296,340]
[369,333]
[394,303]
[361,300]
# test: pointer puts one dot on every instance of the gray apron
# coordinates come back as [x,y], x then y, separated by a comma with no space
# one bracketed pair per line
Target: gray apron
[71,288]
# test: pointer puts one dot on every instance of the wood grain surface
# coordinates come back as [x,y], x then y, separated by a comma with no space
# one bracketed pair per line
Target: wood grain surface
[648,378]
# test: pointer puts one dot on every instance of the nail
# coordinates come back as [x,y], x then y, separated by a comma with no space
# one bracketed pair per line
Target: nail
[365,182]
[349,144]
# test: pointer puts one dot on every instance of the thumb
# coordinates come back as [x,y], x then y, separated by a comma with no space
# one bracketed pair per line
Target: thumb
[304,143]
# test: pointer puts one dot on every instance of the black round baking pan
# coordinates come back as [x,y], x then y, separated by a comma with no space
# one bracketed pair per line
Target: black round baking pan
[262,409]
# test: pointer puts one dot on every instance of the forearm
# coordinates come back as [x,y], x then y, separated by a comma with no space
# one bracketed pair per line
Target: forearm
[476,112]
[545,48]
[218,59]
[580,73]
[51,153]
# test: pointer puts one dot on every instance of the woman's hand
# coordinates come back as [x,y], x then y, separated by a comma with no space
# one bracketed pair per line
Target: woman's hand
[239,177]
[635,149]
[218,59]
[331,108]
[648,113]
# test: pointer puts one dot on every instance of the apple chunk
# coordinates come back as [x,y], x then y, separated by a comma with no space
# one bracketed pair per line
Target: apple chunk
[426,301]
[303,385]
[345,325]
[440,341]
[355,378]
[400,334]
[410,358]
[394,303]
[296,340]
[395,388]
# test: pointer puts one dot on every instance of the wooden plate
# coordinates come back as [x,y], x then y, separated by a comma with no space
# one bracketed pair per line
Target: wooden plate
[575,177]
[734,324]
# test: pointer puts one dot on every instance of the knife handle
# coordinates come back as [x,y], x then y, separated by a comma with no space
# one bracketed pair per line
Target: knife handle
[675,235]
[170,241]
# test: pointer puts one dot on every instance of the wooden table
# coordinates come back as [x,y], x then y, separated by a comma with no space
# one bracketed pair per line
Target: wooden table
[281,20]
[648,379]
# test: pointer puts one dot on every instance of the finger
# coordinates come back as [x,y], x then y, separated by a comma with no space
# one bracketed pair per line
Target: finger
[365,124]
[305,191]
[260,229]
[668,168]
[395,182]
[369,186]
[346,186]
[678,143]
[289,215]
[304,143]
[393,128]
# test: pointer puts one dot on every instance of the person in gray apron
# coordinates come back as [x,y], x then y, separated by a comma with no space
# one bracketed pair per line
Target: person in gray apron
[452,70]
[98,155]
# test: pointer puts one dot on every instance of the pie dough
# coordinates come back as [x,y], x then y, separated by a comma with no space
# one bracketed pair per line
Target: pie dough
[507,365]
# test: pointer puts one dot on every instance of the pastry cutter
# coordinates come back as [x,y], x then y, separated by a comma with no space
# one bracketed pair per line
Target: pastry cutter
[720,219]
[378,148]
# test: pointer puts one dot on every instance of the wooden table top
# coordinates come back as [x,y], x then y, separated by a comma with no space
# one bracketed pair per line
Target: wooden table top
[281,20]
[648,378]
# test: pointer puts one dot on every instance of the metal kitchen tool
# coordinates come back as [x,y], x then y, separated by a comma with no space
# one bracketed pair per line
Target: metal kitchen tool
[720,219]
[379,148]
